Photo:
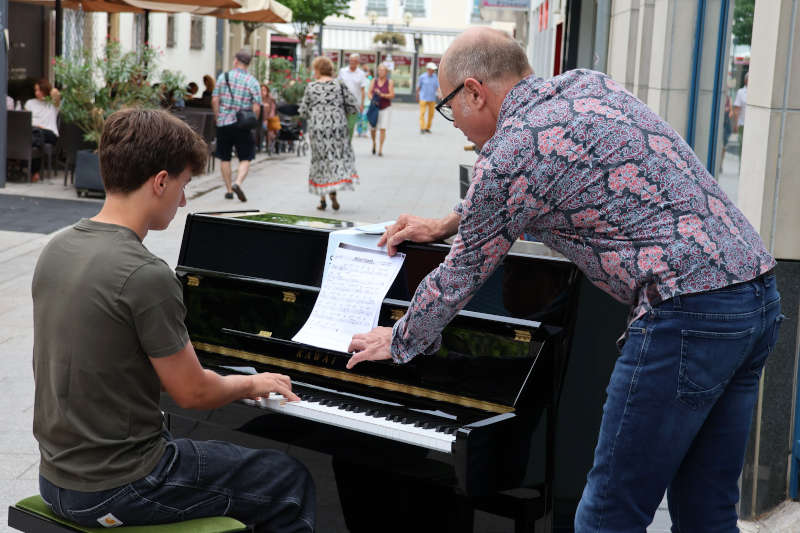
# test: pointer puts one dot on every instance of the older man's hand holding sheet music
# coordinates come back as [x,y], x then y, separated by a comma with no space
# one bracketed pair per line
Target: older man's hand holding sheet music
[349,302]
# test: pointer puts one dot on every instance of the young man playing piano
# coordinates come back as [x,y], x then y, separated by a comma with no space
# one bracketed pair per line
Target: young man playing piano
[588,169]
[109,333]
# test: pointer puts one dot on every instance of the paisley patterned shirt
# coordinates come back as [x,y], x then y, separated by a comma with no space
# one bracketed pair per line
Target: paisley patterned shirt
[585,167]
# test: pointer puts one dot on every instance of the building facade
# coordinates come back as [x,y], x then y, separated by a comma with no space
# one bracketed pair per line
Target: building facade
[427,28]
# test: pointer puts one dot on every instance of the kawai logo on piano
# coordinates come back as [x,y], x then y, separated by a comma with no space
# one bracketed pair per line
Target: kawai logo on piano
[316,357]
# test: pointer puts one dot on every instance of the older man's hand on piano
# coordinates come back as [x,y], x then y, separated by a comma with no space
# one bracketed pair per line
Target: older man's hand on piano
[418,229]
[372,346]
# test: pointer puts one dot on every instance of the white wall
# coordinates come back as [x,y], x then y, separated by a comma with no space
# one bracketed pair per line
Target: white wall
[193,64]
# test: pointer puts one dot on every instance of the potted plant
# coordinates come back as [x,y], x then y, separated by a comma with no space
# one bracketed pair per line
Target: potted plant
[95,87]
[289,85]
[390,39]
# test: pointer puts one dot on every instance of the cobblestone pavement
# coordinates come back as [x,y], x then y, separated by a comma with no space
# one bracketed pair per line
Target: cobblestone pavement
[417,174]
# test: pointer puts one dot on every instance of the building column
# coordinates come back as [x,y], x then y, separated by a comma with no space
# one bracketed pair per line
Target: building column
[644,47]
[673,36]
[650,49]
[622,42]
[769,189]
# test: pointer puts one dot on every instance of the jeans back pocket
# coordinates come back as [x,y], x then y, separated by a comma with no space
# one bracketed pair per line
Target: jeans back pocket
[708,361]
[127,507]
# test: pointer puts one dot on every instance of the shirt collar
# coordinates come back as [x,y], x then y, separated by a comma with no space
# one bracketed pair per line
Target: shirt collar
[518,96]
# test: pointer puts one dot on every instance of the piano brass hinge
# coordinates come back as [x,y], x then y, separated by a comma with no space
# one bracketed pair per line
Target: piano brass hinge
[264,333]
[192,281]
[522,335]
[289,297]
[397,314]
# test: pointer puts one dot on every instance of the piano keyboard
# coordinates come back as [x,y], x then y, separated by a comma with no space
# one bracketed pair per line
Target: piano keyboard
[375,419]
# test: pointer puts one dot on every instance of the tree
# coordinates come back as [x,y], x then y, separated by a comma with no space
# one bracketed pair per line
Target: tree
[307,14]
[249,28]
[743,21]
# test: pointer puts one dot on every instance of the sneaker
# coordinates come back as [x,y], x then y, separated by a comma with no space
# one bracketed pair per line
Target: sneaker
[229,196]
[239,192]
[422,131]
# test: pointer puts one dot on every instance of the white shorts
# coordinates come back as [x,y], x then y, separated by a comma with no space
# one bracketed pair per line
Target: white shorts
[384,116]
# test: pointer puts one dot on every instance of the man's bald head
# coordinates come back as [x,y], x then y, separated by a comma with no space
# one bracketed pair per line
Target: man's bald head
[486,54]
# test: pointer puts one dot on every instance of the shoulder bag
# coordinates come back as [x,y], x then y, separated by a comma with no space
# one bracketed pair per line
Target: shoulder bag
[245,118]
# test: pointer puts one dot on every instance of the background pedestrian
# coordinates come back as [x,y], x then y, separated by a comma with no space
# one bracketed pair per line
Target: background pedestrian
[382,88]
[235,90]
[426,96]
[353,77]
[326,104]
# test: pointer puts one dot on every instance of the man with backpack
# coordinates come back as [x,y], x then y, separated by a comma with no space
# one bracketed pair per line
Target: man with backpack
[235,100]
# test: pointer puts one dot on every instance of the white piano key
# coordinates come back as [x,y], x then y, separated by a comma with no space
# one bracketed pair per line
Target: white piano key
[397,431]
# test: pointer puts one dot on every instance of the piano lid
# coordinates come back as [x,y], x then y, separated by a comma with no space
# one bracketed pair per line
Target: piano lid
[291,249]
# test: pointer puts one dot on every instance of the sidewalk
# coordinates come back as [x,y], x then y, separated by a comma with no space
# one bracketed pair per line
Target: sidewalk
[417,174]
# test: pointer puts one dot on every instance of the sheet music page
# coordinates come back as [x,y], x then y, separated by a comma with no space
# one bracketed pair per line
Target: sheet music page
[363,236]
[349,300]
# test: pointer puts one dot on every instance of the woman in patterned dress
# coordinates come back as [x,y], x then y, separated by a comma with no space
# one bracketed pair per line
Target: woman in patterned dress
[326,104]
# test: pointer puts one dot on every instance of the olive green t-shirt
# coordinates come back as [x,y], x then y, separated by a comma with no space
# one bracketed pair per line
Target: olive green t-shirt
[102,304]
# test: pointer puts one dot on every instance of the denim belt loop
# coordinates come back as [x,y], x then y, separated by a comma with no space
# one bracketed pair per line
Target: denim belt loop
[57,502]
[676,302]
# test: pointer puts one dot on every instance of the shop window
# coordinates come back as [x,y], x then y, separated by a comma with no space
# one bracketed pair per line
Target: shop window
[170,31]
[196,33]
[378,6]
[718,92]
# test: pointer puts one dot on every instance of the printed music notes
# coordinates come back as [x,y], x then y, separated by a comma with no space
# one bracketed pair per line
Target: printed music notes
[355,282]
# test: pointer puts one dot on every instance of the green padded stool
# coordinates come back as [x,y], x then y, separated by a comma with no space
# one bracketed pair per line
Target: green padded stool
[34,516]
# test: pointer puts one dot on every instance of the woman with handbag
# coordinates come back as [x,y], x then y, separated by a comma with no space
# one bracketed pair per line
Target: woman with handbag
[382,89]
[326,104]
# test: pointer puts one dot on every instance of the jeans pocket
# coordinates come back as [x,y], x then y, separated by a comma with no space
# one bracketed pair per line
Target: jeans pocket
[708,361]
[757,365]
[124,507]
[217,505]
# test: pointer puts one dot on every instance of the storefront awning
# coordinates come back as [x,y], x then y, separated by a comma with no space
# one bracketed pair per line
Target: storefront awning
[359,41]
[265,11]
[435,45]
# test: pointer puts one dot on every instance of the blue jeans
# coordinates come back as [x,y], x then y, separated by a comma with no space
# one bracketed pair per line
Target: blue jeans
[196,479]
[678,411]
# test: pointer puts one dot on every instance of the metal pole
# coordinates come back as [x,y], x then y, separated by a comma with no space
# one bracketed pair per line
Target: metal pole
[3,89]
[59,27]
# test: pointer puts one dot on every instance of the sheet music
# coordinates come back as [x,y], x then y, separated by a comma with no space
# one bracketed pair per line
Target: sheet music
[349,301]
[364,236]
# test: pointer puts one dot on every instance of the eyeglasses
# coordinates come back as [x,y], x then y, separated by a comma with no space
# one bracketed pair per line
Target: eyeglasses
[444,108]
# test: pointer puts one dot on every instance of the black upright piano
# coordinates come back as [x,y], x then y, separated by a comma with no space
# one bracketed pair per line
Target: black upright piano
[502,419]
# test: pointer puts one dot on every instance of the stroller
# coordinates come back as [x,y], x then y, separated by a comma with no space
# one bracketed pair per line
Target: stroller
[291,136]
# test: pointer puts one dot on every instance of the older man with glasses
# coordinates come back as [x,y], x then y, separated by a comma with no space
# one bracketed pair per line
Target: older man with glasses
[588,169]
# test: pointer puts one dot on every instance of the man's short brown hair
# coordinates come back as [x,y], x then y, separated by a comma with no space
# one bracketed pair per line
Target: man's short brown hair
[139,143]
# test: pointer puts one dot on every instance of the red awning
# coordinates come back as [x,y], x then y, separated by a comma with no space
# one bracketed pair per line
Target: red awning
[283,39]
